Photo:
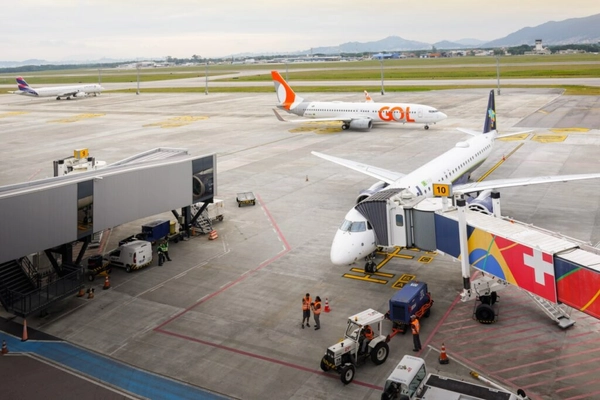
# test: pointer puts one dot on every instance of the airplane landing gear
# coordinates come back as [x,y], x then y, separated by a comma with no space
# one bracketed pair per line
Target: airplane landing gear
[370,265]
[426,127]
[57,98]
[345,126]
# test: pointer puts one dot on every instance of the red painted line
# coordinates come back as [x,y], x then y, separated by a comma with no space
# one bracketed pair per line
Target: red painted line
[34,174]
[544,361]
[584,396]
[562,378]
[242,277]
[260,357]
[500,335]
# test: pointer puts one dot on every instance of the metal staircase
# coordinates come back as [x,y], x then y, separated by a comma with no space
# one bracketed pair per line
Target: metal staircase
[203,223]
[555,311]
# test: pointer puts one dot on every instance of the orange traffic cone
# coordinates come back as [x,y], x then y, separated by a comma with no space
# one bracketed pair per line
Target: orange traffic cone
[81,292]
[106,283]
[443,356]
[4,348]
[327,309]
[213,235]
[24,338]
[91,293]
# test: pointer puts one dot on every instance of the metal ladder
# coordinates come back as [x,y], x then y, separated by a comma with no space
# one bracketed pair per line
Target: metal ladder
[554,311]
[203,222]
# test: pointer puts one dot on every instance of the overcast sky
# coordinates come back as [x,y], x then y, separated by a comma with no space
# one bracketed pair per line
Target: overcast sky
[57,30]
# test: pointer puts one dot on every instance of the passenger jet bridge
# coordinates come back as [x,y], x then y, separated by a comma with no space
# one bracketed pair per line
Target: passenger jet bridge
[553,269]
[49,215]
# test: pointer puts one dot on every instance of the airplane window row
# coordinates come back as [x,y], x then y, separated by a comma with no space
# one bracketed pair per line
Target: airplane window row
[455,170]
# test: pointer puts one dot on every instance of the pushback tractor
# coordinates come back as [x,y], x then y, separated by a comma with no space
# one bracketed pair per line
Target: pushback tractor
[356,349]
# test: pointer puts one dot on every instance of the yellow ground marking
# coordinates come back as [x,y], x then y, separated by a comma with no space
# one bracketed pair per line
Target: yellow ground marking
[522,136]
[569,130]
[76,118]
[403,280]
[504,158]
[12,114]
[317,129]
[549,138]
[176,122]
[382,274]
[425,259]
[366,278]
[543,112]
[395,253]
[432,253]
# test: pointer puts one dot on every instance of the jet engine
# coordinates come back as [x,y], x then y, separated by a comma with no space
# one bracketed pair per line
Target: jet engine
[366,193]
[482,203]
[363,123]
[79,94]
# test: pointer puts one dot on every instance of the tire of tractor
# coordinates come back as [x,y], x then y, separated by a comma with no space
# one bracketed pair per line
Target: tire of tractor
[380,353]
[324,366]
[485,314]
[128,268]
[427,313]
[347,373]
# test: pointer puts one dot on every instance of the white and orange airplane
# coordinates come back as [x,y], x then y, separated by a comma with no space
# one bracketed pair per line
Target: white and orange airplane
[352,115]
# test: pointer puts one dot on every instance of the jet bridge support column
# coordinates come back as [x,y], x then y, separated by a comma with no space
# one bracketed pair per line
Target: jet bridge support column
[464,248]
[496,204]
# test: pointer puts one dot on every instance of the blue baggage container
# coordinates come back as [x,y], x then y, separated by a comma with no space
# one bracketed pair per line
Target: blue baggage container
[156,230]
[407,301]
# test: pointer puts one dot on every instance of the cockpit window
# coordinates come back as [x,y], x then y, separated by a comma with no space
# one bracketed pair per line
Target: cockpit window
[358,226]
[433,111]
[353,226]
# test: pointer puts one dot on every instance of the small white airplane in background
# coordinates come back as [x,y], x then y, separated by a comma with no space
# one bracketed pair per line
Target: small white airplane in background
[67,92]
[355,239]
[352,115]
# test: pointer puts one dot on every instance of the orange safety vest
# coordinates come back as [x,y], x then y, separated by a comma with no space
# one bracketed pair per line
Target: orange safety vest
[369,333]
[317,307]
[306,303]
[414,325]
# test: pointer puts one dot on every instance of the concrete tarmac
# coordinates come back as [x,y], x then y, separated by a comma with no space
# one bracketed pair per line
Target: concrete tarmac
[225,314]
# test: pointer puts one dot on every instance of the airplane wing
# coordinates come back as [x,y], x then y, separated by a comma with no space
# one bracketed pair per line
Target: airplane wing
[377,173]
[309,120]
[514,182]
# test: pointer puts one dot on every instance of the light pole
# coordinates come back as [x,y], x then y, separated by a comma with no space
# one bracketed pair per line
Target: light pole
[382,89]
[206,79]
[498,73]
[137,67]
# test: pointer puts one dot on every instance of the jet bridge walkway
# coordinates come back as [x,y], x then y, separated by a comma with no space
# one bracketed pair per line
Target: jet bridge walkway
[554,269]
[49,215]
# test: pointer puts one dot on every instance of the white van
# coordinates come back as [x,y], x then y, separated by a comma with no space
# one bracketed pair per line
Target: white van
[132,255]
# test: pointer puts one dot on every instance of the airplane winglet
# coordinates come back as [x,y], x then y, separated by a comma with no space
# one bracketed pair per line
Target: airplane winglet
[279,117]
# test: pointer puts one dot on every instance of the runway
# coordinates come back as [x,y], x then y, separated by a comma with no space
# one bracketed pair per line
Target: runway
[225,314]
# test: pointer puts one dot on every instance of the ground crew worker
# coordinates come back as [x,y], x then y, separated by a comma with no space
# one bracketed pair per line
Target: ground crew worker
[163,249]
[306,310]
[416,328]
[316,307]
[368,335]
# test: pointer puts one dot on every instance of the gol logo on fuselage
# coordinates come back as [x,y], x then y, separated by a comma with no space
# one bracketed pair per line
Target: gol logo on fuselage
[395,114]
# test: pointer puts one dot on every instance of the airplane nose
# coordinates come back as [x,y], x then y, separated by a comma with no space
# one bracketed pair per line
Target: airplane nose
[443,116]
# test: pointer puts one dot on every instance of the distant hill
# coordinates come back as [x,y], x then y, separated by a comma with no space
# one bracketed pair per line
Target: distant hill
[470,42]
[390,43]
[570,31]
[445,45]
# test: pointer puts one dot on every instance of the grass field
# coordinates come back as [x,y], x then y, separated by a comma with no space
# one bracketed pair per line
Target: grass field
[548,66]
